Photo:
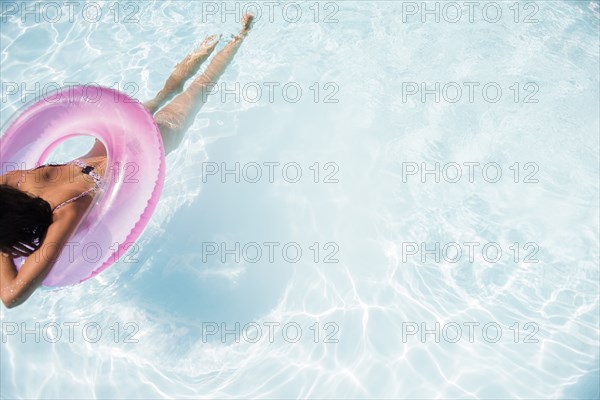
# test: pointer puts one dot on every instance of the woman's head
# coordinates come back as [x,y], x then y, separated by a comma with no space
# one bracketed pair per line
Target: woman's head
[24,221]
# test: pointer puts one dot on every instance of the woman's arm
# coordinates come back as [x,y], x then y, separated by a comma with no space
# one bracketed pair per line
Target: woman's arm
[16,287]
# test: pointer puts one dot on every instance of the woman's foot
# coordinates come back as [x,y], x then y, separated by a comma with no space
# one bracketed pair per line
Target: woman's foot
[208,44]
[247,22]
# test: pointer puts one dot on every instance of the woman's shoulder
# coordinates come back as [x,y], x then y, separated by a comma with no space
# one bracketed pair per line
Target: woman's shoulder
[10,178]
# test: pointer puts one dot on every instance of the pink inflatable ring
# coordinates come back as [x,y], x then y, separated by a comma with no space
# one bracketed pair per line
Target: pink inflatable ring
[132,183]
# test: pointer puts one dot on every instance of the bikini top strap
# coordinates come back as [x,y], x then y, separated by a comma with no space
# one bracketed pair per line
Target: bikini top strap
[72,199]
[20,178]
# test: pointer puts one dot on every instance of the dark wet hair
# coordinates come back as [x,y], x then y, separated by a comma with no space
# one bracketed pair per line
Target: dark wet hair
[24,220]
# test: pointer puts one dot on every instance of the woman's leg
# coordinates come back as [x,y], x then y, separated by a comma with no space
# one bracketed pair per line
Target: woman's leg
[182,72]
[174,119]
[174,84]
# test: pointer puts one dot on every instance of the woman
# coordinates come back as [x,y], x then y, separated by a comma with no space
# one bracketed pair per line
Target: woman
[40,208]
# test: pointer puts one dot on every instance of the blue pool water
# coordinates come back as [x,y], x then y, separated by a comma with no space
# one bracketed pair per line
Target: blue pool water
[364,118]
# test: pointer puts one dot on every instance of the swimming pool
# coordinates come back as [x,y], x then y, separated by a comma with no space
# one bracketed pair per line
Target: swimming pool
[385,199]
